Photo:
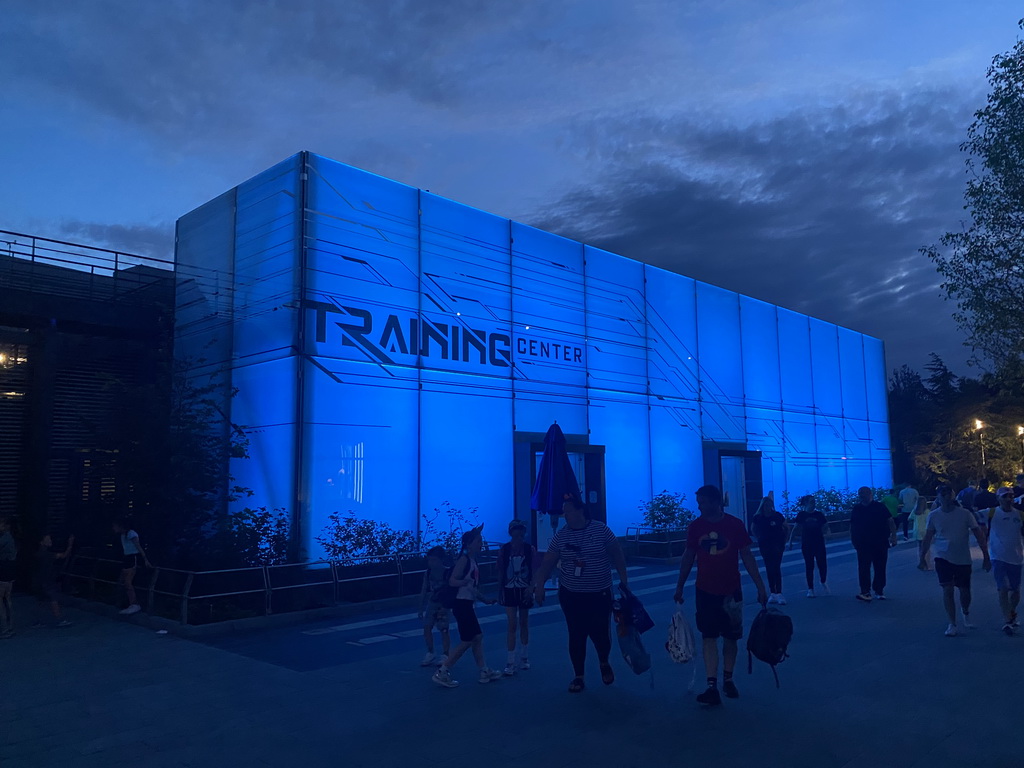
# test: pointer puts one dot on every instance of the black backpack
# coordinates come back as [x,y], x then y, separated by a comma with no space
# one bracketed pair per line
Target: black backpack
[446,594]
[768,639]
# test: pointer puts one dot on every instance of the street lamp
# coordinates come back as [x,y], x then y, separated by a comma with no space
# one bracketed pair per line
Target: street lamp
[1020,436]
[979,425]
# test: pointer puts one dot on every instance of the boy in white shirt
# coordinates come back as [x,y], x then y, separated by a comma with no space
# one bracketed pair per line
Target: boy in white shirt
[1006,546]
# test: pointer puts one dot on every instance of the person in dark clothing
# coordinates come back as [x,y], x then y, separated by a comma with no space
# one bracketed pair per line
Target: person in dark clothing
[771,530]
[984,500]
[46,578]
[813,527]
[872,532]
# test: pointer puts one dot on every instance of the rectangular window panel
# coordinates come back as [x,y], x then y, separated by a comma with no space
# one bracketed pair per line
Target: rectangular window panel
[676,459]
[828,395]
[831,446]
[616,327]
[766,433]
[266,276]
[672,334]
[801,454]
[851,367]
[718,336]
[795,359]
[762,383]
[858,453]
[618,420]
[874,366]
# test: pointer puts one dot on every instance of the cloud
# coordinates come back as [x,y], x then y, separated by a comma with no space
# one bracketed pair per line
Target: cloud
[822,211]
[155,241]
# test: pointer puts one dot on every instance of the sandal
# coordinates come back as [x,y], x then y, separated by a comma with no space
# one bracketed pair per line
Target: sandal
[576,685]
[607,674]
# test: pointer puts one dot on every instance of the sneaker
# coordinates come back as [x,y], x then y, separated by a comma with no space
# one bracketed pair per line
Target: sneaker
[879,596]
[710,698]
[127,610]
[131,609]
[810,593]
[524,663]
[1014,621]
[63,623]
[951,631]
[730,690]
[443,677]
[443,659]
[772,598]
[1007,629]
[780,599]
[967,623]
[824,589]
[510,670]
[864,597]
[487,675]
[429,660]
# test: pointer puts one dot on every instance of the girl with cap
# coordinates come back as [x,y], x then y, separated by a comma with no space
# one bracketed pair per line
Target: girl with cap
[515,571]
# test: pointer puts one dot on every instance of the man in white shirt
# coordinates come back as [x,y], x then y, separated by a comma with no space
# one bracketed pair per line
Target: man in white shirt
[950,527]
[908,505]
[1006,546]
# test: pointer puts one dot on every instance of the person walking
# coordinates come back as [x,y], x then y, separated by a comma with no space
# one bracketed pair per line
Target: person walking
[771,530]
[966,497]
[432,613]
[132,553]
[984,500]
[920,518]
[515,571]
[466,576]
[949,527]
[8,556]
[47,591]
[908,506]
[717,542]
[585,551]
[813,527]
[1006,550]
[872,532]
[892,503]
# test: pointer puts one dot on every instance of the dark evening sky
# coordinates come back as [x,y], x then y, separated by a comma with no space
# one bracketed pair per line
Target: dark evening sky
[799,152]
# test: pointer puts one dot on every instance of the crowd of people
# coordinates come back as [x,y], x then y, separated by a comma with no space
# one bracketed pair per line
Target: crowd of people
[585,552]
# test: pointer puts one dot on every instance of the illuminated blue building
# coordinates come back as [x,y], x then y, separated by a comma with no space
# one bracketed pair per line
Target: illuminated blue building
[393,350]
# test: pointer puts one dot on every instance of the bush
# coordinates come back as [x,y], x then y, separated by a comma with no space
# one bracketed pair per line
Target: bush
[445,527]
[348,539]
[834,503]
[665,512]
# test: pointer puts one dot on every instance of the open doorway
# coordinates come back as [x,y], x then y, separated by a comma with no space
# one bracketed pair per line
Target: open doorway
[588,466]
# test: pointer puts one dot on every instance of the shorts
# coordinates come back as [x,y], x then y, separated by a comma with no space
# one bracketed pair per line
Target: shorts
[951,573]
[515,597]
[720,615]
[1007,576]
[465,620]
[436,616]
[129,562]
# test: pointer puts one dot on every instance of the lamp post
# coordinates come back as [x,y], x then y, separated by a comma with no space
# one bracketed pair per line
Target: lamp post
[979,425]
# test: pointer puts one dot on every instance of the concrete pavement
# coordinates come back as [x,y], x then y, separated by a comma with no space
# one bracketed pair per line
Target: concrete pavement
[867,686]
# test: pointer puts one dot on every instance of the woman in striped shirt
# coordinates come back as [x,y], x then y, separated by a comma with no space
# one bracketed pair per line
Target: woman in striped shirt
[586,550]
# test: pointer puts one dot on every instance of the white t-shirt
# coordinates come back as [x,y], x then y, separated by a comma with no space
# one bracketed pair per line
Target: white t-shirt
[128,543]
[1004,539]
[908,498]
[952,541]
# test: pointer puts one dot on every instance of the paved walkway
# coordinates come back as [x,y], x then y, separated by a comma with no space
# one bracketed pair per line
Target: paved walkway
[868,686]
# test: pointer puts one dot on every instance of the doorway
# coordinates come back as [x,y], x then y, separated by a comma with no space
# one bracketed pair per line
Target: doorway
[587,464]
[734,486]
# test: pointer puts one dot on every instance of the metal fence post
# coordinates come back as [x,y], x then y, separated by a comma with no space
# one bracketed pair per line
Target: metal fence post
[152,586]
[185,596]
[267,607]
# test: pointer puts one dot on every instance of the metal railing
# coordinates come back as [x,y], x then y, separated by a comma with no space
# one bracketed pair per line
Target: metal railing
[202,597]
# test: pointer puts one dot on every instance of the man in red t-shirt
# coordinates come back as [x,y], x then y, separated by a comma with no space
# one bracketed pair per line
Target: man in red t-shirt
[717,542]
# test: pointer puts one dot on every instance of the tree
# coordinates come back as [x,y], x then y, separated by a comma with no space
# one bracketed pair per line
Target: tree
[983,265]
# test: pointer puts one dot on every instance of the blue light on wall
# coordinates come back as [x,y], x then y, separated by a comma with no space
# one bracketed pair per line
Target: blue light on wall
[388,346]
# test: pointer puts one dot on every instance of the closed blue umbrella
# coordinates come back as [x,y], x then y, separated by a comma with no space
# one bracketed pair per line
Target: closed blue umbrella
[556,482]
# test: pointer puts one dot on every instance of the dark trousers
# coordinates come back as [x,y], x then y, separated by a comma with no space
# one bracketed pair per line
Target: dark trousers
[772,556]
[866,560]
[814,552]
[587,614]
[903,520]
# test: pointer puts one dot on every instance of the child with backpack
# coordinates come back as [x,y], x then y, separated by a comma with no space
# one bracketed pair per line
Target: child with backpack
[432,613]
[465,576]
[515,573]
[717,542]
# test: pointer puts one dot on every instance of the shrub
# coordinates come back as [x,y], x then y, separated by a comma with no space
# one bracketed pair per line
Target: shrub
[444,528]
[665,512]
[348,539]
[834,503]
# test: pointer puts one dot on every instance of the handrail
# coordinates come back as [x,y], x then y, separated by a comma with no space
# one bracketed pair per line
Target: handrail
[333,572]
